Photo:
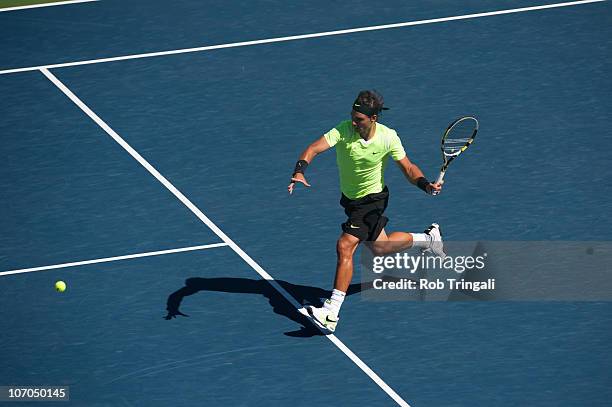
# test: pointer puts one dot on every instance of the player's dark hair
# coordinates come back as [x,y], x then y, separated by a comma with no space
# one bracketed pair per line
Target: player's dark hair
[370,101]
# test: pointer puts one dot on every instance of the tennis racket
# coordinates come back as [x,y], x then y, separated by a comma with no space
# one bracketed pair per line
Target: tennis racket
[456,139]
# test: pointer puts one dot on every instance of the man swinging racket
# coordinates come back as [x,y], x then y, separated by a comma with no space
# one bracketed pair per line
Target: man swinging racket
[362,148]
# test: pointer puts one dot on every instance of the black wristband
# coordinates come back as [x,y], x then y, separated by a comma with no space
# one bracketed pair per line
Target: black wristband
[422,183]
[300,167]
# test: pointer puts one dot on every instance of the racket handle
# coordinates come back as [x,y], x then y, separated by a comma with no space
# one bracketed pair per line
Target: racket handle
[438,181]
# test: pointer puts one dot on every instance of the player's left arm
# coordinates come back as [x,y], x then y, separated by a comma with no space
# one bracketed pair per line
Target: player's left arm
[414,174]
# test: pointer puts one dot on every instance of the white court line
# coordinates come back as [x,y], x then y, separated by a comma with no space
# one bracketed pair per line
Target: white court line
[58,3]
[116,258]
[296,37]
[196,211]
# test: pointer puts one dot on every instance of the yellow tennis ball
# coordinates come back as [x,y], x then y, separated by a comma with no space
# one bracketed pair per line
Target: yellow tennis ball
[60,286]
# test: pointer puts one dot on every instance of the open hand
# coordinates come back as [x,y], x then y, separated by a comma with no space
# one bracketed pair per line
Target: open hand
[299,177]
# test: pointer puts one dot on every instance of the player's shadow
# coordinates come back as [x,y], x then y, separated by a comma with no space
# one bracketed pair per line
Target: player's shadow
[303,294]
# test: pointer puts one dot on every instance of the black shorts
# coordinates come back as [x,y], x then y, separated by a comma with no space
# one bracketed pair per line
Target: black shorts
[365,215]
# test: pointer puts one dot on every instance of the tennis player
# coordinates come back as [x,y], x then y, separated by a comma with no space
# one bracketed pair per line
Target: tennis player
[363,146]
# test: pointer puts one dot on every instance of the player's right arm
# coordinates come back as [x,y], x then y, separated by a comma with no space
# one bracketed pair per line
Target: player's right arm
[317,147]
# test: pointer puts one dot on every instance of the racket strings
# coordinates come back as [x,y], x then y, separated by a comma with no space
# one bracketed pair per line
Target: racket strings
[456,139]
[453,146]
[458,136]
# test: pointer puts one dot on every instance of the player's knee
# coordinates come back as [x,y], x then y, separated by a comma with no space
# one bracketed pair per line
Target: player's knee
[377,248]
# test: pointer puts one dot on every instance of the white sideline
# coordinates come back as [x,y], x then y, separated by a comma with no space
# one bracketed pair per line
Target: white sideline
[297,37]
[109,259]
[58,3]
[196,211]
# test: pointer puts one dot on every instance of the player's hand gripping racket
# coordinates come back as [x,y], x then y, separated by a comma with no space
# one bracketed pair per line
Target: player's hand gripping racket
[456,139]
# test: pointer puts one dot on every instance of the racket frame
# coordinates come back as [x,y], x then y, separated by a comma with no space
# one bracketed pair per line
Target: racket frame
[448,158]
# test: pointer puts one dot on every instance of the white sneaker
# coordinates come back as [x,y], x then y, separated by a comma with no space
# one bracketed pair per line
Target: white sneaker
[323,317]
[435,246]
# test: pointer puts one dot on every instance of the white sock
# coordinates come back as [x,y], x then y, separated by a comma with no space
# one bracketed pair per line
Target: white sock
[421,240]
[336,301]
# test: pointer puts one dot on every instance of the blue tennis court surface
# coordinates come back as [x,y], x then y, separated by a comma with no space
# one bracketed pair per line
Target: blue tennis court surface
[224,127]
